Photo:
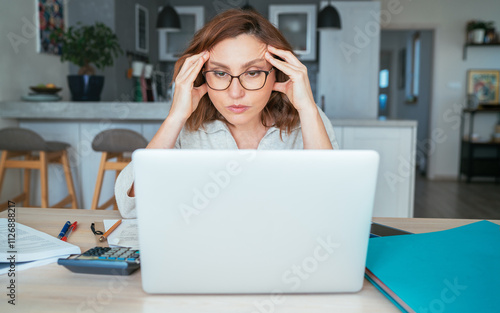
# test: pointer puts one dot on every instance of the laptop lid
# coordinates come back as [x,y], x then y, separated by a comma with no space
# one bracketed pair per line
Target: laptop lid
[248,221]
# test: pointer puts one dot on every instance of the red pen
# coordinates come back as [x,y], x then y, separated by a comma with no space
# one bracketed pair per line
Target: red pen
[70,229]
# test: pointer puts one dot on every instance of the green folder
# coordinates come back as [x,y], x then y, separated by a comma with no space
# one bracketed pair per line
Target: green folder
[455,270]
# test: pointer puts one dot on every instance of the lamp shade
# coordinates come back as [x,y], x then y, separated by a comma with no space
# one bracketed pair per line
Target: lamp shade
[247,7]
[329,18]
[168,19]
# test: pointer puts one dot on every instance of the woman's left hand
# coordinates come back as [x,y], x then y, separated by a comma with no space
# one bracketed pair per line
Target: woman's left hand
[297,88]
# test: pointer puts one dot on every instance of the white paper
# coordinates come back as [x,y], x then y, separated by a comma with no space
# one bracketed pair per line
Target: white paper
[125,235]
[4,267]
[30,244]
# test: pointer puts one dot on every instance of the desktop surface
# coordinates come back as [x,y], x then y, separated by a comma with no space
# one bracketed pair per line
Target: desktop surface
[53,288]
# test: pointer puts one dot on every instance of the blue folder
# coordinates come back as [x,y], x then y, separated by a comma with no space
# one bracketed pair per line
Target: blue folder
[456,270]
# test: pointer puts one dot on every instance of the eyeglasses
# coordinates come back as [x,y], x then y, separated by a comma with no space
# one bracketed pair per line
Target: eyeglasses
[250,80]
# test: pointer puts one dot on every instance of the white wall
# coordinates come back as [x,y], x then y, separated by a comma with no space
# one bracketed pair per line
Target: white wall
[449,75]
[21,66]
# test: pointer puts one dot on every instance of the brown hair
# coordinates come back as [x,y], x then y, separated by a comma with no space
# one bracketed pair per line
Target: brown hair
[230,24]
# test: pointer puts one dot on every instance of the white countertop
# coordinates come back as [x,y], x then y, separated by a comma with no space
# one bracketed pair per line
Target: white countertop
[132,111]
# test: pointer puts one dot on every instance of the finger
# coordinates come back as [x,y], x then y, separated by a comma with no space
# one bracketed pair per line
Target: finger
[286,55]
[283,66]
[190,61]
[194,66]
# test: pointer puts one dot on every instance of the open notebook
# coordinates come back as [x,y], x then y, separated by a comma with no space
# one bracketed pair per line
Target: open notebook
[23,247]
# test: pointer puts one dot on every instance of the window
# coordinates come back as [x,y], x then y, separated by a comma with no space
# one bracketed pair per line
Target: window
[384,78]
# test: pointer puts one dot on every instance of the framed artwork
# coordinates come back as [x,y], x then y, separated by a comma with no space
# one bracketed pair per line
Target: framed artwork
[141,29]
[50,18]
[298,24]
[172,43]
[484,85]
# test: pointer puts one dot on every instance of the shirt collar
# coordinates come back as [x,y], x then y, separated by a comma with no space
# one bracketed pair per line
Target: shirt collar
[217,125]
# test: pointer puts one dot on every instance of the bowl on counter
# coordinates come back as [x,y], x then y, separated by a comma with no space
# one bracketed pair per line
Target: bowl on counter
[45,90]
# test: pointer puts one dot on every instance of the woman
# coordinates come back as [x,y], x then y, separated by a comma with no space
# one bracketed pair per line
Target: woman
[237,86]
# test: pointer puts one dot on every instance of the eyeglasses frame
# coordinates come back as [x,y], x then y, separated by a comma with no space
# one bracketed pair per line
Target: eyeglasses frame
[238,76]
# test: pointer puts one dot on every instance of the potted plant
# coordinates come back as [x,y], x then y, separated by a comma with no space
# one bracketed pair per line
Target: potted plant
[85,45]
[476,31]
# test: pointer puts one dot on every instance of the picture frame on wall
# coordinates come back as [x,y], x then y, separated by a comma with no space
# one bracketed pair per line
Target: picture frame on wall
[484,84]
[49,19]
[141,29]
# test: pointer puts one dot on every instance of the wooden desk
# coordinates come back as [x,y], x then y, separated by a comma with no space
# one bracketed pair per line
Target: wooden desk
[53,288]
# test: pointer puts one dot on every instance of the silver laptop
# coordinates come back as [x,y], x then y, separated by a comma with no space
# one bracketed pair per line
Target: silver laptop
[247,221]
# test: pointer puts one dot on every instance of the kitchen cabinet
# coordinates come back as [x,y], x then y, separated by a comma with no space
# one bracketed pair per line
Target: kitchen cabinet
[298,24]
[396,146]
[172,43]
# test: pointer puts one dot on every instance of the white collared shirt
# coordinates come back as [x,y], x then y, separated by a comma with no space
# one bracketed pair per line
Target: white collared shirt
[216,135]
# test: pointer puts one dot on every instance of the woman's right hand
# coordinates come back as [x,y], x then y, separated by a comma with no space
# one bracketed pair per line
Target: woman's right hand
[185,101]
[186,97]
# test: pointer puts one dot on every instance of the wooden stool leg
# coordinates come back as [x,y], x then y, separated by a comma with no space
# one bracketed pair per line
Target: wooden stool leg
[43,178]
[69,179]
[98,184]
[27,183]
[3,160]
[120,158]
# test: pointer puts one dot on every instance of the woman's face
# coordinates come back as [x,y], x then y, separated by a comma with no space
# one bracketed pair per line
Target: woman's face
[234,56]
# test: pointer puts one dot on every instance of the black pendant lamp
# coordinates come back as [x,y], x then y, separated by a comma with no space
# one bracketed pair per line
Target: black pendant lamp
[248,7]
[329,18]
[168,19]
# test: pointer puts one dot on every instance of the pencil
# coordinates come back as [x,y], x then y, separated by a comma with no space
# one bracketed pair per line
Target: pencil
[106,234]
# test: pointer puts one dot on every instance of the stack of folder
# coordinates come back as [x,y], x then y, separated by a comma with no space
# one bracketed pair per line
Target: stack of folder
[456,270]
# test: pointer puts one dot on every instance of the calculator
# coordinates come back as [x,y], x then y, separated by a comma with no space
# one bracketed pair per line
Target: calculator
[104,260]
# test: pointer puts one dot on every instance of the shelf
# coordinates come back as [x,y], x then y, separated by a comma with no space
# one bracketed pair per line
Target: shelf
[486,109]
[478,158]
[467,45]
[481,143]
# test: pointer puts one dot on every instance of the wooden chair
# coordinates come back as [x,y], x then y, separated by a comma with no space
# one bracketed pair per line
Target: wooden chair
[21,143]
[114,144]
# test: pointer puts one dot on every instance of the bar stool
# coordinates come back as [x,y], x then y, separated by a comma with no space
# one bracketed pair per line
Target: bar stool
[114,143]
[37,153]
